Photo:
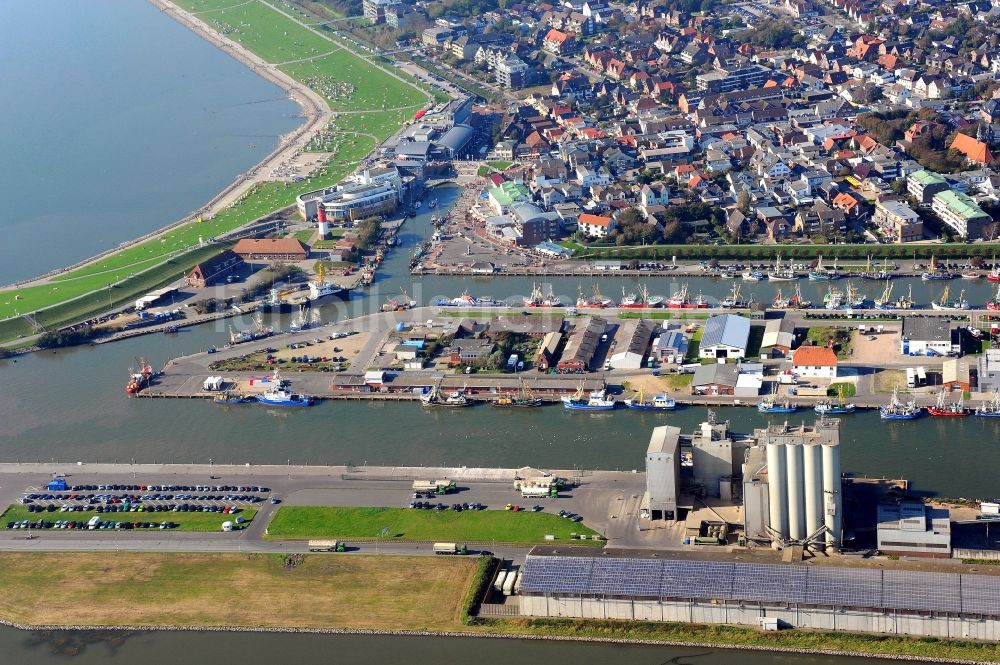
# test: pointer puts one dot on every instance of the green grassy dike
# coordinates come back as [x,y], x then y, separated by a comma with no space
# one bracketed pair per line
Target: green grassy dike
[737,637]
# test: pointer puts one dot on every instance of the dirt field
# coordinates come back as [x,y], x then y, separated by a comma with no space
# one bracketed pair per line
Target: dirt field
[884,349]
[314,591]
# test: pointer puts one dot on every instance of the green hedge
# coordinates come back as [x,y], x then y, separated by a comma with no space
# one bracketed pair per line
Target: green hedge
[723,252]
[484,570]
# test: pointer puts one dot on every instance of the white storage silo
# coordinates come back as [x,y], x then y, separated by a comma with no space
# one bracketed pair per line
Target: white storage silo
[796,500]
[777,488]
[832,497]
[813,475]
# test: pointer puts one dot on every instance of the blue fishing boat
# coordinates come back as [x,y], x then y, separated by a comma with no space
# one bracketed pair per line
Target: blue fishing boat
[279,395]
[989,409]
[828,408]
[597,401]
[770,405]
[660,403]
[897,410]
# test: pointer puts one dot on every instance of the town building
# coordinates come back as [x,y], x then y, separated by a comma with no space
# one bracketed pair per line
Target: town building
[595,226]
[725,336]
[815,362]
[988,371]
[779,338]
[923,185]
[377,11]
[898,222]
[910,528]
[715,379]
[213,270]
[633,355]
[927,336]
[582,345]
[961,213]
[375,191]
[271,249]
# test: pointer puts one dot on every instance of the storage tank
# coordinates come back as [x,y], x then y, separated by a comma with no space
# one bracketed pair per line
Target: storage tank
[796,499]
[501,578]
[833,499]
[777,490]
[813,474]
[324,227]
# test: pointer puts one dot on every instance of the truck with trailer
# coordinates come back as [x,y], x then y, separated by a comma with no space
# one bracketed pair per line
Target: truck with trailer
[450,548]
[327,546]
[508,583]
[498,583]
[539,487]
[435,486]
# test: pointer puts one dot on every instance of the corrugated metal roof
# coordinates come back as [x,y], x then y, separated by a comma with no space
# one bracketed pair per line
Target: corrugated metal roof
[727,329]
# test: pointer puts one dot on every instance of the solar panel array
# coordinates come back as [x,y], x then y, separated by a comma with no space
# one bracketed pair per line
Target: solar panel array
[773,583]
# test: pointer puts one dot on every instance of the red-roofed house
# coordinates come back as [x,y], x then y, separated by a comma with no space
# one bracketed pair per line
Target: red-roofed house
[848,203]
[815,362]
[559,42]
[595,226]
[974,150]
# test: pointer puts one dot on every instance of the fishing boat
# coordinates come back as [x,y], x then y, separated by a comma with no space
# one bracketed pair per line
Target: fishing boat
[945,304]
[596,401]
[828,407]
[780,302]
[886,302]
[433,204]
[945,409]
[994,274]
[523,399]
[435,398]
[780,274]
[854,298]
[233,398]
[834,298]
[971,275]
[994,302]
[631,301]
[139,379]
[797,301]
[770,404]
[659,403]
[538,299]
[275,303]
[596,301]
[734,299]
[934,276]
[320,290]
[871,273]
[259,331]
[682,300]
[728,273]
[898,410]
[399,305]
[278,394]
[752,275]
[821,274]
[989,409]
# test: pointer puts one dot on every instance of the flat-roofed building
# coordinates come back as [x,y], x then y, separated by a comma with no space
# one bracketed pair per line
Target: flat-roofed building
[910,528]
[898,221]
[923,185]
[663,472]
[961,213]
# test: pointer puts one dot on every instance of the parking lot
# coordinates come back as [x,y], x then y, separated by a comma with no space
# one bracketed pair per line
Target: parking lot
[136,506]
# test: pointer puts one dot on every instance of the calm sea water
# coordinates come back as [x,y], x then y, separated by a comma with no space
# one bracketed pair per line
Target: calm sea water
[158,648]
[116,120]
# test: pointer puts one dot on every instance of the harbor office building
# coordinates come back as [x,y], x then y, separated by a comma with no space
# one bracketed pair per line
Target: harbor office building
[648,585]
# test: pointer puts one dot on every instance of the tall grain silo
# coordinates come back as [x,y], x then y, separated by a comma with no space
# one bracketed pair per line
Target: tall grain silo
[777,488]
[832,497]
[796,491]
[813,477]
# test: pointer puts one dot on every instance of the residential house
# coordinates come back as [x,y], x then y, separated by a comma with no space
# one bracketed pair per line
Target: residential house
[815,362]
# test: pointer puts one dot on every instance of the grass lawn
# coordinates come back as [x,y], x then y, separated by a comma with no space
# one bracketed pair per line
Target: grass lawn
[845,388]
[888,645]
[428,525]
[679,382]
[187,521]
[820,336]
[235,590]
[500,166]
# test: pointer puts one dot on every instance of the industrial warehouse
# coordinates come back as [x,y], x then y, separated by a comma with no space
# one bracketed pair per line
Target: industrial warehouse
[644,585]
